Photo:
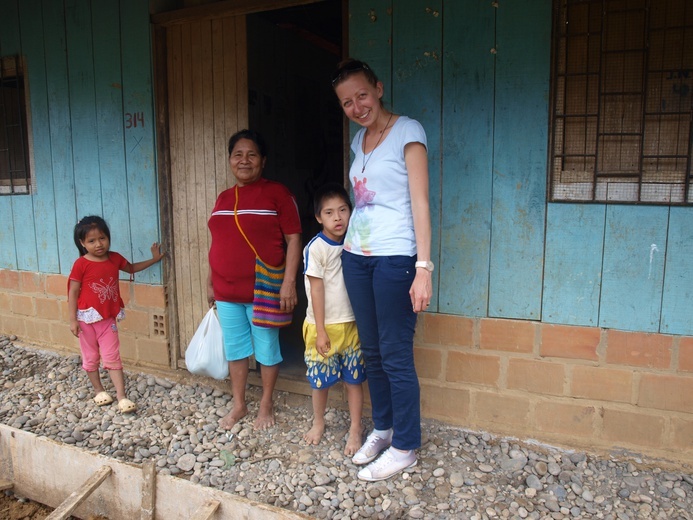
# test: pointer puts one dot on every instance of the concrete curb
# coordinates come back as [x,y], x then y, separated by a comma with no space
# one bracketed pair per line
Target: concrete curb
[48,472]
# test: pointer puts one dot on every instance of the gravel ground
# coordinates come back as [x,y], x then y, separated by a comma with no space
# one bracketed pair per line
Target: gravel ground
[461,474]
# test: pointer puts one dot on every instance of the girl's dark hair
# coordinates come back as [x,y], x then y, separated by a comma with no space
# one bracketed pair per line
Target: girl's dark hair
[251,135]
[84,226]
[328,191]
[348,67]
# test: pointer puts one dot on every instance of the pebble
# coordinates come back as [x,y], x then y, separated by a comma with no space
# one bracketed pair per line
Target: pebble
[460,474]
[457,479]
[534,482]
[512,465]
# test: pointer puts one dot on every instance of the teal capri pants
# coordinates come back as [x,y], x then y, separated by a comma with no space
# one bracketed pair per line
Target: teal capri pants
[243,339]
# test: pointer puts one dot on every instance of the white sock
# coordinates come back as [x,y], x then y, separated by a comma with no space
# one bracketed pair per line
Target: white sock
[401,454]
[383,434]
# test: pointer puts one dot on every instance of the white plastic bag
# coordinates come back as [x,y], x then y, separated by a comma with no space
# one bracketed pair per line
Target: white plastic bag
[205,353]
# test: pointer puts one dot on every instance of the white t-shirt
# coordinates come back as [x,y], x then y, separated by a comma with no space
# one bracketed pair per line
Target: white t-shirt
[322,258]
[382,223]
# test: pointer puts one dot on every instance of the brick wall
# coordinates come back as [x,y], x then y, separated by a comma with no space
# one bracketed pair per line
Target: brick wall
[33,306]
[573,386]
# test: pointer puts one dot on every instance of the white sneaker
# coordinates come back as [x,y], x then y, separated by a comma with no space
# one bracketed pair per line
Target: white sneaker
[371,448]
[388,464]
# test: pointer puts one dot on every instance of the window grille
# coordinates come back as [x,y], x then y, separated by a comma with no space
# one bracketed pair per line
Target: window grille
[622,101]
[15,175]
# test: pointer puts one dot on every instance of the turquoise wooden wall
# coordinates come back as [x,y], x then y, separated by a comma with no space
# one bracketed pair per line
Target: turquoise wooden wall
[476,74]
[89,76]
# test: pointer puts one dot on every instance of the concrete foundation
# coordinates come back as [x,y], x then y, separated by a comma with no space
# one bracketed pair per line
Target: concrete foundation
[48,472]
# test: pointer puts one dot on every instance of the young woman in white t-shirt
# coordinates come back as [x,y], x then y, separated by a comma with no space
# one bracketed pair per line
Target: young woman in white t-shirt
[386,263]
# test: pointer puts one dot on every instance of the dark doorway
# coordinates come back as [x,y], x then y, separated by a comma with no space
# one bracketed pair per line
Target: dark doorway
[291,54]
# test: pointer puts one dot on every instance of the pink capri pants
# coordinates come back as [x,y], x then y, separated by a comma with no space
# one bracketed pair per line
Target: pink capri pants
[100,340]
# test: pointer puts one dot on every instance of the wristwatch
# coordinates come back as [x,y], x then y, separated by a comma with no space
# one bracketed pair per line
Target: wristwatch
[426,264]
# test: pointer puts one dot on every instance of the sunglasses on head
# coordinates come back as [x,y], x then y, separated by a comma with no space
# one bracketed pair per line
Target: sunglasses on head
[347,70]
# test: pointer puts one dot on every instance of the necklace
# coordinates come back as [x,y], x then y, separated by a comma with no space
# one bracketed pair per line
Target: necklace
[367,157]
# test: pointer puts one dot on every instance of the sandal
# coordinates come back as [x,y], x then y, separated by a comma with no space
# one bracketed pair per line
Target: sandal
[126,406]
[102,399]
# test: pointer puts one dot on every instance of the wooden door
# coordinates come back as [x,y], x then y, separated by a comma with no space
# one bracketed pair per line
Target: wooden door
[207,102]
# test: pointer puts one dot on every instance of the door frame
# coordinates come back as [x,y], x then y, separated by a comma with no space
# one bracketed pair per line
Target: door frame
[160,22]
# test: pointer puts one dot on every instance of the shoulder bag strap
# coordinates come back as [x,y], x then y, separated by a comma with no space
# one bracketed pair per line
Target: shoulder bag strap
[235,216]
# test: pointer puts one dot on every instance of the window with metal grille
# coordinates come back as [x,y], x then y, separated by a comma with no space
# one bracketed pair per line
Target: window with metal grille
[15,174]
[622,101]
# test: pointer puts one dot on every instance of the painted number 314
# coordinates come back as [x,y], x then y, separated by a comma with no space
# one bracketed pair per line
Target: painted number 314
[133,120]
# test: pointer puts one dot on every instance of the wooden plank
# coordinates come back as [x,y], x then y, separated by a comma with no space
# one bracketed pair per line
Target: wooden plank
[519,161]
[634,250]
[138,102]
[677,303]
[8,253]
[221,166]
[44,198]
[417,93]
[25,233]
[224,91]
[573,263]
[241,78]
[197,210]
[229,95]
[178,45]
[80,60]
[109,128]
[163,146]
[173,89]
[187,119]
[207,195]
[20,236]
[370,39]
[223,9]
[9,44]
[230,92]
[467,157]
[206,511]
[72,502]
[148,491]
[63,181]
[9,23]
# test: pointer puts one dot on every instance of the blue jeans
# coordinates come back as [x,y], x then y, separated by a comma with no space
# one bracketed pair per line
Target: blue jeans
[378,288]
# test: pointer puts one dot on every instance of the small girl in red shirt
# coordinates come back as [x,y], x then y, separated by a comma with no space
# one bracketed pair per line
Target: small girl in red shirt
[95,305]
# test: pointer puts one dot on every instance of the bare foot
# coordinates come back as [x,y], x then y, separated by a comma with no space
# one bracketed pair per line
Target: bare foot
[265,417]
[314,435]
[353,442]
[230,419]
